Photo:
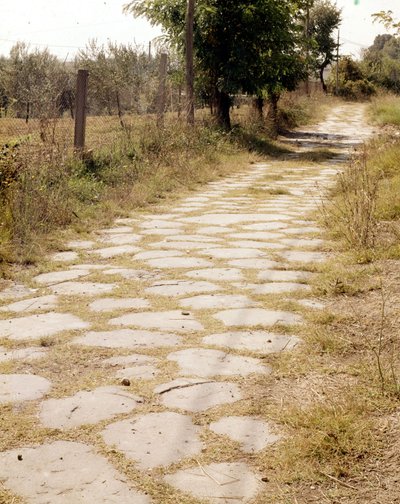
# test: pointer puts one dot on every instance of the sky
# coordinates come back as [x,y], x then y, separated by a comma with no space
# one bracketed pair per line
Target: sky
[66,25]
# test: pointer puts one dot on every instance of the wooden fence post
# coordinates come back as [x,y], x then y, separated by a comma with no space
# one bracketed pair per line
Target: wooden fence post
[162,90]
[80,110]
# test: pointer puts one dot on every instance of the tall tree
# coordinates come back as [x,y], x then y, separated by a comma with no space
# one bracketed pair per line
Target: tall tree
[233,39]
[325,19]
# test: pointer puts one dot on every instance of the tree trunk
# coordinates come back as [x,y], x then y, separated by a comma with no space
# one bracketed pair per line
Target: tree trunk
[223,105]
[259,107]
[28,110]
[119,109]
[321,78]
[189,63]
[273,99]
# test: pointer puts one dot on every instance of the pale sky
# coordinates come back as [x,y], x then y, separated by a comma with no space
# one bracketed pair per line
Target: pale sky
[66,25]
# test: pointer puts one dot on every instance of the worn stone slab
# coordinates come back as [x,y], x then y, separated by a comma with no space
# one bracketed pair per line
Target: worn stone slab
[193,238]
[82,288]
[255,235]
[131,274]
[111,304]
[166,321]
[232,253]
[156,254]
[86,407]
[160,224]
[260,264]
[16,291]
[253,435]
[116,230]
[253,341]
[304,257]
[197,395]
[159,232]
[121,239]
[177,288]
[232,483]
[217,274]
[135,366]
[94,267]
[217,301]
[284,276]
[299,242]
[205,363]
[257,244]
[37,326]
[214,230]
[31,304]
[127,338]
[110,252]
[302,230]
[81,244]
[65,256]
[48,474]
[256,316]
[278,287]
[184,245]
[156,439]
[228,219]
[179,262]
[22,387]
[26,354]
[265,226]
[60,276]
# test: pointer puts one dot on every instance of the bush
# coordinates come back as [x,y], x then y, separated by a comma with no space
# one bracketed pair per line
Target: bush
[355,90]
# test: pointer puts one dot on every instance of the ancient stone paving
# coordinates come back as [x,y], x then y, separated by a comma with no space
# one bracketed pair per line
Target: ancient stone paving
[134,353]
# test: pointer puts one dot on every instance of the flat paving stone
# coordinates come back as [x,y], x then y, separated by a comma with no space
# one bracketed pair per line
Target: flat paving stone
[179,262]
[86,407]
[25,354]
[184,245]
[257,244]
[131,274]
[217,274]
[254,341]
[156,439]
[233,253]
[302,230]
[253,435]
[127,338]
[279,287]
[214,230]
[65,256]
[89,266]
[60,276]
[256,316]
[217,301]
[196,395]
[205,363]
[110,252]
[134,366]
[156,254]
[48,474]
[16,291]
[304,257]
[81,244]
[266,226]
[160,224]
[232,483]
[255,235]
[254,264]
[159,232]
[193,238]
[283,276]
[121,239]
[177,288]
[31,304]
[166,321]
[37,326]
[227,219]
[111,304]
[82,288]
[310,243]
[22,387]
[116,230]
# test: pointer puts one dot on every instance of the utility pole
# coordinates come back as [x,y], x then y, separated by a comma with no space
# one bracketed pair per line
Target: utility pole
[307,30]
[189,63]
[150,50]
[337,62]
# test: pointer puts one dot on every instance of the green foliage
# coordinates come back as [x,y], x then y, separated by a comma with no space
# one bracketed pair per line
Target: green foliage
[353,84]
